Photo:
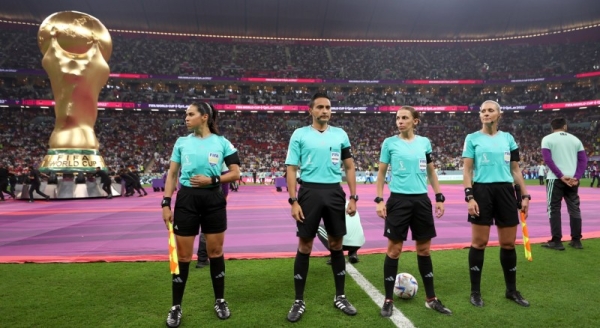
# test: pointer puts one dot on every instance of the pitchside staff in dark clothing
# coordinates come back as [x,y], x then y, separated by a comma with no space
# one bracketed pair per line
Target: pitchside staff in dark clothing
[129,182]
[35,182]
[566,158]
[491,165]
[138,183]
[409,206]
[200,202]
[105,181]
[319,150]
[135,182]
[4,183]
[12,179]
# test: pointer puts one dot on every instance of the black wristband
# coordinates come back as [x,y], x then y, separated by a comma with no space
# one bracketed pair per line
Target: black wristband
[166,202]
[439,198]
[216,179]
[468,192]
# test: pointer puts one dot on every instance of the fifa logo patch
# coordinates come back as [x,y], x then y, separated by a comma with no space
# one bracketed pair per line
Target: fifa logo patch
[335,158]
[423,164]
[213,159]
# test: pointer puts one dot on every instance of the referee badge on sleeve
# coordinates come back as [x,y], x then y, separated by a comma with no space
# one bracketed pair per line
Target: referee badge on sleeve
[335,157]
[422,164]
[506,157]
[213,159]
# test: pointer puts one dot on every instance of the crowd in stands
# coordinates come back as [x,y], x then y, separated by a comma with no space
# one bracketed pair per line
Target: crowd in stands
[436,61]
[19,88]
[146,138]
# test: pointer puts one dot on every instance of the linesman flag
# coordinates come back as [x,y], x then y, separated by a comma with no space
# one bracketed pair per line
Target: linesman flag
[173,260]
[523,219]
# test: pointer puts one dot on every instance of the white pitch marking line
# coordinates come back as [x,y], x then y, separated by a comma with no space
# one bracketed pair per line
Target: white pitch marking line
[398,318]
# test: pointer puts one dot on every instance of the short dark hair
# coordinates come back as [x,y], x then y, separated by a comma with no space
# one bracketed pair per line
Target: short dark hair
[558,123]
[315,97]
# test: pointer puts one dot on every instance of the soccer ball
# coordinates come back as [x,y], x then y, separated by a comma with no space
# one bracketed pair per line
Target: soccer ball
[406,286]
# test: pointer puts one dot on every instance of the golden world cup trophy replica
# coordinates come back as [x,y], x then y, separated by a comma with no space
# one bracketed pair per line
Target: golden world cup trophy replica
[76,48]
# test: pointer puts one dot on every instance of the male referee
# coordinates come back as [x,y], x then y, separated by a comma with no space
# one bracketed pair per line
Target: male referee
[565,157]
[320,149]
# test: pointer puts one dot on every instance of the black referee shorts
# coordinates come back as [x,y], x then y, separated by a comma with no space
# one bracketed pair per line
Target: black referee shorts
[497,204]
[404,211]
[199,207]
[322,200]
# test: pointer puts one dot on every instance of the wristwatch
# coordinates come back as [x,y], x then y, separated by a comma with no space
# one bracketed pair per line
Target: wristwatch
[468,198]
[526,197]
[292,200]
[378,200]
[355,197]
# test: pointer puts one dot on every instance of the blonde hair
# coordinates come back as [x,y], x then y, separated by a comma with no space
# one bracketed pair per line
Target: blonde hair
[493,102]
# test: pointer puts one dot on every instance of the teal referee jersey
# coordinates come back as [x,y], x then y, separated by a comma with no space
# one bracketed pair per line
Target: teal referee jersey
[491,156]
[408,161]
[318,154]
[201,156]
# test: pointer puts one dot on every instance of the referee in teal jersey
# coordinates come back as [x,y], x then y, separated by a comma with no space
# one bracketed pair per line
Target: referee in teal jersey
[409,156]
[319,150]
[200,202]
[491,166]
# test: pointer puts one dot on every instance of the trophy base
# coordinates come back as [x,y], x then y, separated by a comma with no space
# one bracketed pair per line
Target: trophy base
[72,160]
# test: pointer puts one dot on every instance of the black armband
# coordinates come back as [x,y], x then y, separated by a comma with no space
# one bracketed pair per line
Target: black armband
[232,159]
[468,192]
[215,179]
[346,153]
[166,202]
[514,155]
[439,198]
[428,157]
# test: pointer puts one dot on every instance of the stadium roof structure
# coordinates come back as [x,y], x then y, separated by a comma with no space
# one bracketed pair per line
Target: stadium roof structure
[326,19]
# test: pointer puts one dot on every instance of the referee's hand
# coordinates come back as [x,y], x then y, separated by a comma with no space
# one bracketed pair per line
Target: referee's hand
[473,208]
[381,210]
[297,212]
[167,216]
[525,207]
[351,209]
[200,180]
[439,209]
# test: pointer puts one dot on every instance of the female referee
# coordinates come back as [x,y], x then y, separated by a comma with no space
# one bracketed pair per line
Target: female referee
[408,206]
[200,202]
[491,165]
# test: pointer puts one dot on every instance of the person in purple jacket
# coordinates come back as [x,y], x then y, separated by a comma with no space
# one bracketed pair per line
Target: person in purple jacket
[595,174]
[566,158]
